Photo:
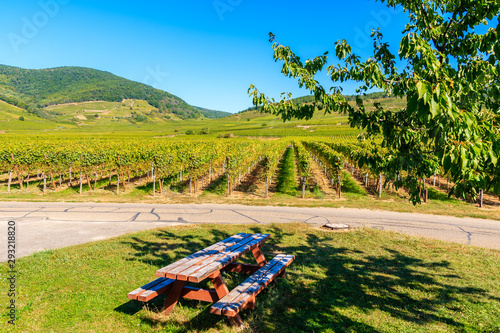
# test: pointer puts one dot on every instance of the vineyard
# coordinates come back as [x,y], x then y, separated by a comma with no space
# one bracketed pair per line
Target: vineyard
[313,167]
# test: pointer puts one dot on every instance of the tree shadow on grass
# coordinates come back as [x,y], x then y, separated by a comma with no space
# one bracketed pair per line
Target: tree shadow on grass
[324,286]
[337,279]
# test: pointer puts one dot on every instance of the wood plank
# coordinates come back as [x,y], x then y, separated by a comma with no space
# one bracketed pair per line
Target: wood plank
[230,240]
[134,294]
[204,254]
[213,248]
[227,258]
[243,294]
[252,291]
[182,272]
[159,289]
[188,271]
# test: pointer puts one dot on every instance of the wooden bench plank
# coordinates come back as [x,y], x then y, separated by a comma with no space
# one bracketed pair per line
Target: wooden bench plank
[250,293]
[217,308]
[227,257]
[245,293]
[211,250]
[159,289]
[149,286]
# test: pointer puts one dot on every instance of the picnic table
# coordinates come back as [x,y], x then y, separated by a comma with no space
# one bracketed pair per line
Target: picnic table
[209,263]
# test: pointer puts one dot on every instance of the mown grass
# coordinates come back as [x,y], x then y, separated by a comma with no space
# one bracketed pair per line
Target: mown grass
[349,185]
[360,281]
[286,175]
[219,186]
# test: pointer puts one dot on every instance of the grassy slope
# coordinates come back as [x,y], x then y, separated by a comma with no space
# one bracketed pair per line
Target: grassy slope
[248,123]
[9,120]
[360,281]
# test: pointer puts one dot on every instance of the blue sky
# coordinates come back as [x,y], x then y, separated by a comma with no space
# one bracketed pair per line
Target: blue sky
[206,52]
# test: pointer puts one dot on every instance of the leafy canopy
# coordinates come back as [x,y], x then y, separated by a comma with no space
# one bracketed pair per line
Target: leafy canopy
[450,80]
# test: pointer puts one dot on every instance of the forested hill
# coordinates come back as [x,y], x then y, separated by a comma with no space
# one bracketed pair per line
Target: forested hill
[213,114]
[33,90]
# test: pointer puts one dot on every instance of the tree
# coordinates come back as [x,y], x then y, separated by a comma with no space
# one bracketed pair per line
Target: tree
[451,84]
[205,130]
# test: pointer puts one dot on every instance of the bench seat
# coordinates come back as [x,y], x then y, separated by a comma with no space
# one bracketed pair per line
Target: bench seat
[244,294]
[152,289]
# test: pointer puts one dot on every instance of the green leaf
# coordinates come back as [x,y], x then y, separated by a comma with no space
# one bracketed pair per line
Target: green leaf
[434,108]
[494,158]
[421,88]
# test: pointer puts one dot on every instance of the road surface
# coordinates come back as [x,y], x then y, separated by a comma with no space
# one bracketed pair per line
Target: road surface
[43,226]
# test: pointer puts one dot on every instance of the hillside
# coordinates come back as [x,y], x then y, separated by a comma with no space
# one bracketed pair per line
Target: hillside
[212,114]
[35,90]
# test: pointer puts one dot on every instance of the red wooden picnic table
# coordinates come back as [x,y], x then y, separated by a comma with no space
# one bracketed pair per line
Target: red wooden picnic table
[209,263]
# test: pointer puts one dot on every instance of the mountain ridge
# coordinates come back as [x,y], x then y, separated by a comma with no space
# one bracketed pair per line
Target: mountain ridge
[36,89]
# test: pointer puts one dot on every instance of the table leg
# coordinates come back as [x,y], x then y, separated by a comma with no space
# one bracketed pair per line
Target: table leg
[173,296]
[236,320]
[259,256]
[219,285]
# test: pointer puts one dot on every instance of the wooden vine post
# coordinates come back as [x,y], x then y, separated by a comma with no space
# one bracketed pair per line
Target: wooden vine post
[118,176]
[9,181]
[70,177]
[124,181]
[380,186]
[16,169]
[81,183]
[153,177]
[154,185]
[425,193]
[339,188]
[88,180]
[51,174]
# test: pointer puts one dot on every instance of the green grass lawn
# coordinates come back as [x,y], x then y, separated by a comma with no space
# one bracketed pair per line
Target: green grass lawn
[359,281]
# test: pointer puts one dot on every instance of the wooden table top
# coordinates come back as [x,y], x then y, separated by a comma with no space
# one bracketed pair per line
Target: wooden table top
[204,263]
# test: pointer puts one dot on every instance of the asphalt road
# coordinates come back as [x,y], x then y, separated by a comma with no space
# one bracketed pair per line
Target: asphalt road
[43,226]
